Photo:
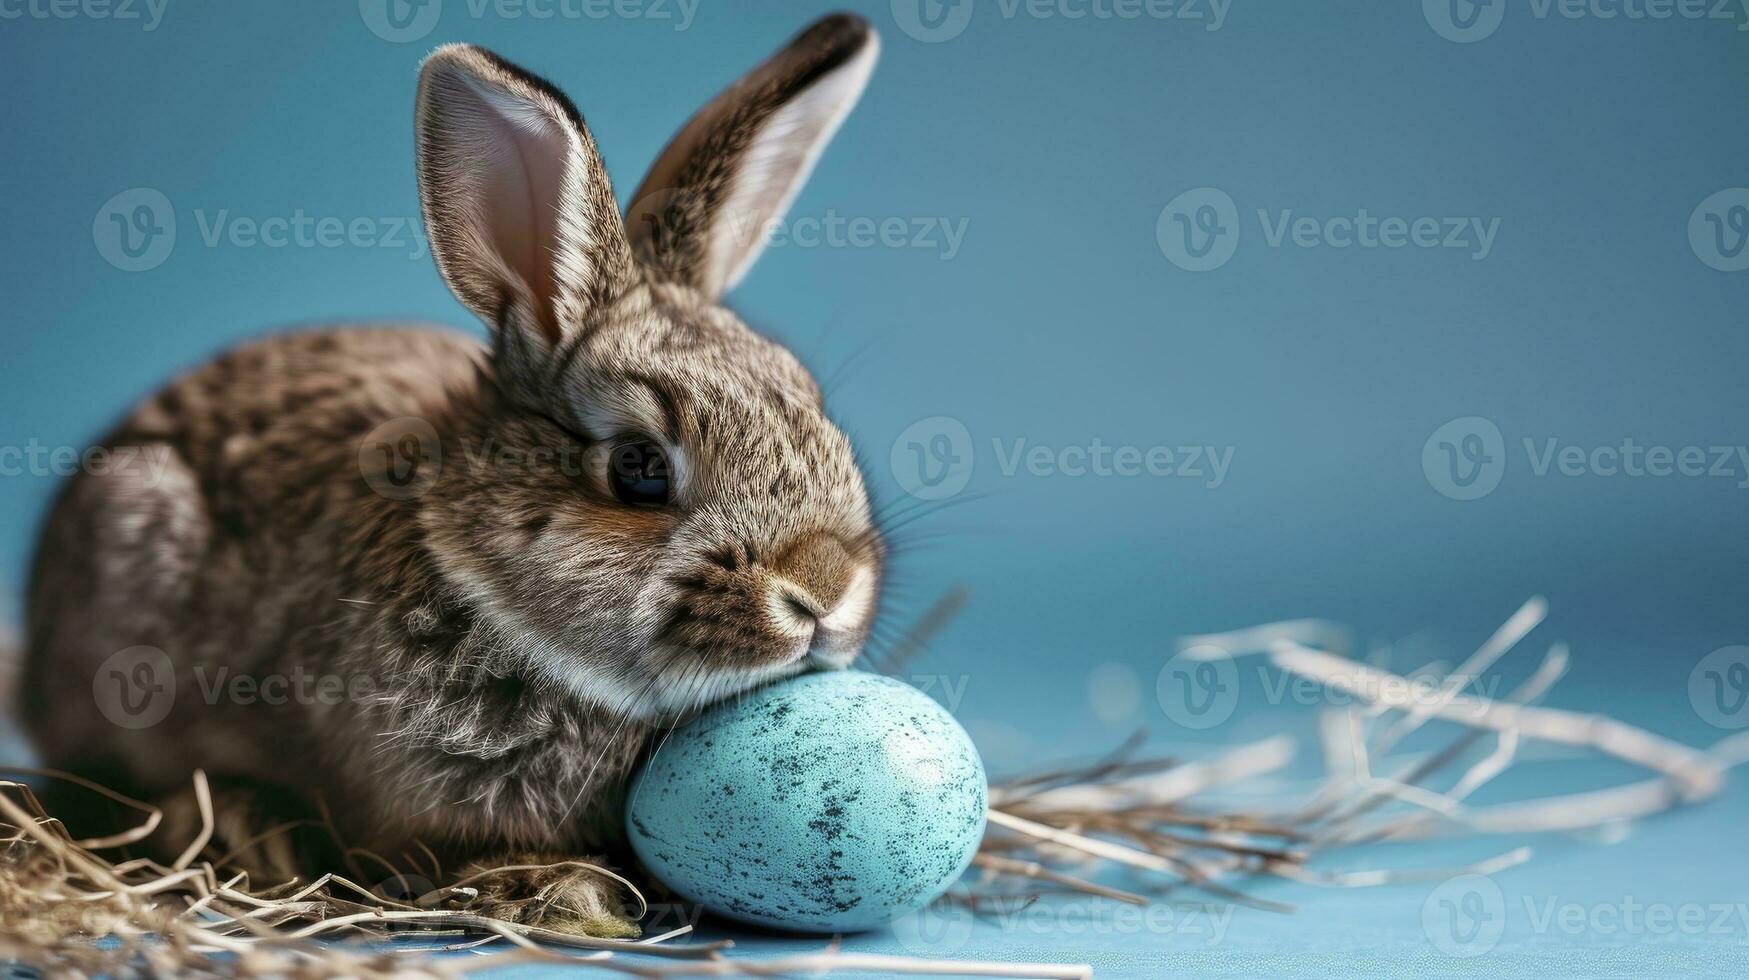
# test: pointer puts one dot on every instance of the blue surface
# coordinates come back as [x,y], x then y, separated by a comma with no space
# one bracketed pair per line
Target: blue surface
[826,803]
[1056,316]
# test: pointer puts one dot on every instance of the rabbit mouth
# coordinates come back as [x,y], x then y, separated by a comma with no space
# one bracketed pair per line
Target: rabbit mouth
[690,682]
[672,678]
[827,660]
[722,628]
[692,679]
[691,676]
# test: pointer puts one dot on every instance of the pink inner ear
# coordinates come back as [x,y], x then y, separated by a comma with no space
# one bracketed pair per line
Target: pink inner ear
[525,155]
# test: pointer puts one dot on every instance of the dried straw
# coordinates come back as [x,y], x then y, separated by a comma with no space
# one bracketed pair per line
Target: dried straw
[1052,833]
[1143,815]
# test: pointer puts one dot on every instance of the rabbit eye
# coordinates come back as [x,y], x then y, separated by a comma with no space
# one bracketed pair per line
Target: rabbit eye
[638,473]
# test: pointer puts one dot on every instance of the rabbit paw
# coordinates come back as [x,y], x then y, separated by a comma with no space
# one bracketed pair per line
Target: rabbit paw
[569,895]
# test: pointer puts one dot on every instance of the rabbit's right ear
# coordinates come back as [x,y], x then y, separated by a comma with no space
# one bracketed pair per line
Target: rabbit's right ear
[707,207]
[521,216]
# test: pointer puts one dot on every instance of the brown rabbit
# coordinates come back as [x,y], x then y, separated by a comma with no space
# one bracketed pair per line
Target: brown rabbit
[444,592]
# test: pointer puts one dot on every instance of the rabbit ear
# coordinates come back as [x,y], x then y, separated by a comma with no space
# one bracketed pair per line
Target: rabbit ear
[521,216]
[704,212]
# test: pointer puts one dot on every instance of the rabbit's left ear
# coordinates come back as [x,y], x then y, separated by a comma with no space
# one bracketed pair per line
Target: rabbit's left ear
[521,216]
[706,209]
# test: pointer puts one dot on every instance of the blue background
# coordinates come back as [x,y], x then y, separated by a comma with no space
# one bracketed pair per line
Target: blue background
[1061,320]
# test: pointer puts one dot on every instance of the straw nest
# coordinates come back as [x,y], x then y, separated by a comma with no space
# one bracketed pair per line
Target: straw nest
[1129,828]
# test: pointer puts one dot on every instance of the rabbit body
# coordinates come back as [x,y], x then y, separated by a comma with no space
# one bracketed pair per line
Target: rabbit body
[258,555]
[441,593]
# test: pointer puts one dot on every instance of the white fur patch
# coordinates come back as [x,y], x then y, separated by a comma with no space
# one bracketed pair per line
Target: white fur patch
[854,606]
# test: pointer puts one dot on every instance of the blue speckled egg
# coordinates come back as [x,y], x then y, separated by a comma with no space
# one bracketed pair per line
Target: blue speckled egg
[828,802]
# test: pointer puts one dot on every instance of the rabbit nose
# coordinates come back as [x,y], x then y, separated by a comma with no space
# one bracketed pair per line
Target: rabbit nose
[819,569]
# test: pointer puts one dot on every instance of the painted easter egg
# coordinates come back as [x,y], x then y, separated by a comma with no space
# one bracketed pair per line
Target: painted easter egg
[828,802]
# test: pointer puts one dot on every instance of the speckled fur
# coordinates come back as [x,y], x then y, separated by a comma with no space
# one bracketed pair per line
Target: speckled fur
[514,632]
